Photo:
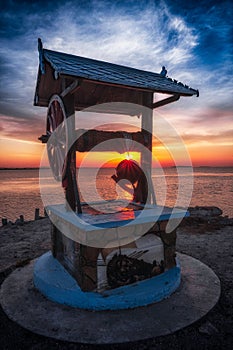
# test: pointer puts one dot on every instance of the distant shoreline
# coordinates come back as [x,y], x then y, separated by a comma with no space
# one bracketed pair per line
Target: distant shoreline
[168,167]
[19,168]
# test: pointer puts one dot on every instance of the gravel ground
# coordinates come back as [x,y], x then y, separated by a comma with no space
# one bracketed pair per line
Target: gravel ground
[209,241]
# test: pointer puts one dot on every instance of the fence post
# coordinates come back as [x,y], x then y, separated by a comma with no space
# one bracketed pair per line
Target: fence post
[37,214]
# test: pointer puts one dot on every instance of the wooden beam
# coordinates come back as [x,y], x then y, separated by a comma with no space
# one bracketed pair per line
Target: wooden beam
[44,138]
[110,84]
[71,88]
[129,87]
[41,102]
[86,140]
[166,101]
[114,108]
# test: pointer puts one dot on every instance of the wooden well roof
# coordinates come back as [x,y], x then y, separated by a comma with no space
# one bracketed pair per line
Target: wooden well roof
[97,81]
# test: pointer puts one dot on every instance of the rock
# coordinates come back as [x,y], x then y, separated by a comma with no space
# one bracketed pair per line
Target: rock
[19,222]
[204,211]
[208,328]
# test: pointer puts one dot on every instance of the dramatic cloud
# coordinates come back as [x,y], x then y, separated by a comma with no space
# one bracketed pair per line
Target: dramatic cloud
[192,39]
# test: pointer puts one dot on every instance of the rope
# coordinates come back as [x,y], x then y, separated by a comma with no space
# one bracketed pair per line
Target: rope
[128,141]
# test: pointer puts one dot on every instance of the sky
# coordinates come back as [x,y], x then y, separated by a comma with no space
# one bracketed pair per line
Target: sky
[193,39]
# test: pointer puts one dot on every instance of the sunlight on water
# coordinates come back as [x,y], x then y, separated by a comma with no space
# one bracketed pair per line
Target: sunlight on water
[212,187]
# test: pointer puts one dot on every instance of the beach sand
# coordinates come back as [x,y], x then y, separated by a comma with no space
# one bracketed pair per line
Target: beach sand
[209,239]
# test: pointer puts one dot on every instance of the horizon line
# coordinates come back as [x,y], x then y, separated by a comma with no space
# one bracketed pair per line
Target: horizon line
[93,167]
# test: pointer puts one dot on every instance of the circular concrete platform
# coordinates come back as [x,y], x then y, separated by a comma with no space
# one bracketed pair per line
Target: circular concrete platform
[199,291]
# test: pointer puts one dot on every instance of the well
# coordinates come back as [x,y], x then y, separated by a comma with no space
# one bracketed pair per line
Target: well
[137,247]
[115,257]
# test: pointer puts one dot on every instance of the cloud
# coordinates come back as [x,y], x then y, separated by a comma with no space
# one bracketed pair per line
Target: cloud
[194,43]
[21,128]
[214,125]
[221,138]
[138,39]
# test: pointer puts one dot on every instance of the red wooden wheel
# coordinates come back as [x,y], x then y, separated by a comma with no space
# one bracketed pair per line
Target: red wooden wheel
[57,144]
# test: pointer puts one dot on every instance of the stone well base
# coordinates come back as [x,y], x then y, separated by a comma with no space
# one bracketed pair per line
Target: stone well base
[198,292]
[54,282]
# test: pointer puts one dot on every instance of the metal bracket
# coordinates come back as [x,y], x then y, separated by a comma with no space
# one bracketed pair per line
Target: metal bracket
[71,88]
[164,102]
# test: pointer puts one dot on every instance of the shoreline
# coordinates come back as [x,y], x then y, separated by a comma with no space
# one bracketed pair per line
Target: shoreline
[197,213]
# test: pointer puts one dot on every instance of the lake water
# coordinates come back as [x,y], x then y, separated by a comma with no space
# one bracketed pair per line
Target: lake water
[20,193]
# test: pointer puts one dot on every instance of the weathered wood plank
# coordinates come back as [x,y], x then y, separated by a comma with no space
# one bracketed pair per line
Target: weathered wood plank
[90,138]
[87,139]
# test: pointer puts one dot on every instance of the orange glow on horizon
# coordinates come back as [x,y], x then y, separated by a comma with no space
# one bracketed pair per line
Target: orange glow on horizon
[109,159]
[211,155]
[22,154]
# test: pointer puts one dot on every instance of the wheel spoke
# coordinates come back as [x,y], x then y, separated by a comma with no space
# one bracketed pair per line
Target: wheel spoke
[60,157]
[57,144]
[53,116]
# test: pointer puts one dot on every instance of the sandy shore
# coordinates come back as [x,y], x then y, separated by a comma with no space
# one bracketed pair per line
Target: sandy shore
[208,238]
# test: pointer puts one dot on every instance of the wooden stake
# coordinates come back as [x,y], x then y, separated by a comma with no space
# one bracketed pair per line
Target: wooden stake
[4,221]
[37,214]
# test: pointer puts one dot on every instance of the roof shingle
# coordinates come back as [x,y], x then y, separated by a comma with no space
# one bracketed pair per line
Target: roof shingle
[109,73]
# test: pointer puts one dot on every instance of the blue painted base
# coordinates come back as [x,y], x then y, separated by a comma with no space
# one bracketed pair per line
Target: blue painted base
[54,282]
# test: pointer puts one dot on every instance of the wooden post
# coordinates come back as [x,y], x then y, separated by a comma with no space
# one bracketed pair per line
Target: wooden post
[57,246]
[71,156]
[147,128]
[169,244]
[37,214]
[86,267]
[4,221]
